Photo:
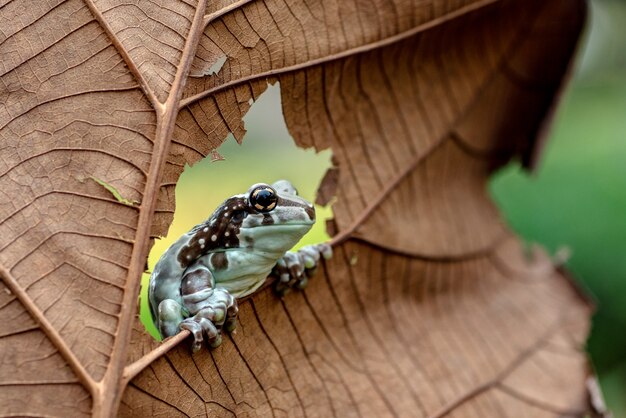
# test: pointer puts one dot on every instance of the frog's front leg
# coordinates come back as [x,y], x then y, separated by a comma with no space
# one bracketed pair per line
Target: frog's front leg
[210,309]
[171,314]
[294,268]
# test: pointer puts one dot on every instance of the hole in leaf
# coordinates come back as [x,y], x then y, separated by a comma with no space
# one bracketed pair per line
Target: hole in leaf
[268,153]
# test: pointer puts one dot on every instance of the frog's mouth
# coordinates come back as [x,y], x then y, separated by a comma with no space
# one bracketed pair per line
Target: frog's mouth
[289,225]
[282,217]
[277,231]
[276,238]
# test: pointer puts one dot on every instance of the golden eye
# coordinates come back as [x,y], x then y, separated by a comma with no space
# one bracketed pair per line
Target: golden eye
[263,198]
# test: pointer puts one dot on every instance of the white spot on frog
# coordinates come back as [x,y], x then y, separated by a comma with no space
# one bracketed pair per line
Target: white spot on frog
[213,237]
[202,241]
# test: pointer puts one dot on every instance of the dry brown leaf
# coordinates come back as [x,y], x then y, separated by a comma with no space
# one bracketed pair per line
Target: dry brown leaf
[430,307]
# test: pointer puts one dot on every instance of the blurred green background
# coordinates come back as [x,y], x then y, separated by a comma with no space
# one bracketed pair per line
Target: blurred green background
[576,198]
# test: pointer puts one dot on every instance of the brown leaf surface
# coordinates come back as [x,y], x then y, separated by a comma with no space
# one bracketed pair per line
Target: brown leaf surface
[429,308]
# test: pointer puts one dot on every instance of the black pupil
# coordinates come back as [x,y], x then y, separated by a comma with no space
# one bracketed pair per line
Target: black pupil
[264,199]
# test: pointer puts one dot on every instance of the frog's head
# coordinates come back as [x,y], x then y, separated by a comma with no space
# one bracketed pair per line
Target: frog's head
[275,218]
[267,219]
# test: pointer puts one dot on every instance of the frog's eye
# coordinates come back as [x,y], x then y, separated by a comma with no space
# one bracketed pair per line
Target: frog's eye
[263,198]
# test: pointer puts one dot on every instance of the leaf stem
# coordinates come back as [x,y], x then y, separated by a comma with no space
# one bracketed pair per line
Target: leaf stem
[145,87]
[135,368]
[112,385]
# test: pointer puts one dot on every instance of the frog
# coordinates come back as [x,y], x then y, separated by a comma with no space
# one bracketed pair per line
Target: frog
[197,281]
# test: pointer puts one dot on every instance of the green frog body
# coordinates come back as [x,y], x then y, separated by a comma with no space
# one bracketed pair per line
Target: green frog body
[196,282]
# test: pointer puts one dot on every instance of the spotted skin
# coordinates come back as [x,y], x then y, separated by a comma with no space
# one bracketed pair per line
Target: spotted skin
[219,232]
[195,283]
[219,261]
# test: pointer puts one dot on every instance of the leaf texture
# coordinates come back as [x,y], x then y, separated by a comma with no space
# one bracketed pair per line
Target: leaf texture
[430,307]
[400,335]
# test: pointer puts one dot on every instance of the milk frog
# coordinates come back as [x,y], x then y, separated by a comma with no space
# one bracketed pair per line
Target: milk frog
[196,282]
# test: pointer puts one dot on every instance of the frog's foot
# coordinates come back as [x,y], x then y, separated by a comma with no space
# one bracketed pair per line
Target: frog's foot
[218,312]
[294,268]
